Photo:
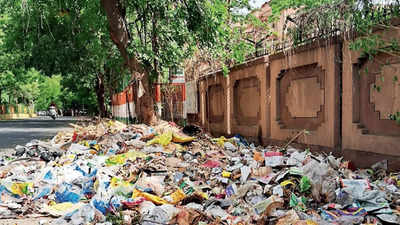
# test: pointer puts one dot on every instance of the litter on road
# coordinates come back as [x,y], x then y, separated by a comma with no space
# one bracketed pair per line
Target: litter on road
[109,173]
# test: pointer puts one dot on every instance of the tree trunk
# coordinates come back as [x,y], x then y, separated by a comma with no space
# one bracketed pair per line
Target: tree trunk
[100,95]
[120,36]
[171,108]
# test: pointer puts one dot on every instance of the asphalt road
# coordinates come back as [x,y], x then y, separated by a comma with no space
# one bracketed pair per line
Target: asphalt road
[19,132]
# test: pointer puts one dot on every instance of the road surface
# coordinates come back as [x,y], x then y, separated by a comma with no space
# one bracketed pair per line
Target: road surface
[19,132]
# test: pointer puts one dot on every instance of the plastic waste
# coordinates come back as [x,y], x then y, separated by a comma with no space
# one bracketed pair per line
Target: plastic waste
[245,172]
[163,139]
[274,159]
[42,192]
[389,218]
[278,190]
[290,217]
[21,189]
[179,138]
[130,175]
[298,203]
[230,147]
[83,215]
[305,184]
[155,183]
[122,158]
[269,205]
[62,209]
[153,198]
[157,214]
[66,194]
[211,164]
[261,171]
[217,212]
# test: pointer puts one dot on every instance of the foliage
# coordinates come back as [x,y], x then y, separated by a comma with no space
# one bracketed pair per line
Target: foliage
[165,33]
[395,117]
[50,92]
[68,38]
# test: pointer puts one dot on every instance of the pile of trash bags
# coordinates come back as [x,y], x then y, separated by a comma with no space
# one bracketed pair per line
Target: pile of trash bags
[110,173]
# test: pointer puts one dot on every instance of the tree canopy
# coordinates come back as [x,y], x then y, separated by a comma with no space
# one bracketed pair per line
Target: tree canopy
[68,38]
[94,50]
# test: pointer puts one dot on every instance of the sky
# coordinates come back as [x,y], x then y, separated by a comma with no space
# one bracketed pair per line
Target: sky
[257,3]
[254,4]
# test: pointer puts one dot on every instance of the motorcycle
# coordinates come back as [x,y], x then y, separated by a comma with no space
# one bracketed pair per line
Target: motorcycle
[53,113]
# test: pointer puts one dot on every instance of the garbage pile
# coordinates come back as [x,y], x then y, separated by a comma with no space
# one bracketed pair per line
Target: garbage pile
[110,173]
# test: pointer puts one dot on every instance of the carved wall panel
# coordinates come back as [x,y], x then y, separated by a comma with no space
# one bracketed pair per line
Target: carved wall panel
[387,99]
[216,103]
[372,105]
[301,97]
[304,98]
[247,101]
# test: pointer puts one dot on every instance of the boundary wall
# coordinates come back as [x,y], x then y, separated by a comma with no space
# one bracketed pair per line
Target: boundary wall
[321,88]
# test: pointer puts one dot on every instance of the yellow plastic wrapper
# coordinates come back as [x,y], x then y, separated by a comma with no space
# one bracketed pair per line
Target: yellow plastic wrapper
[84,143]
[96,146]
[67,159]
[220,141]
[310,222]
[181,139]
[21,188]
[62,208]
[110,123]
[174,147]
[226,174]
[177,196]
[202,194]
[121,159]
[149,197]
[287,182]
[163,139]
[120,186]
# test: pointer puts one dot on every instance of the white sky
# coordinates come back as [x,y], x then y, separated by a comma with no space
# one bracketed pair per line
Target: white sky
[257,3]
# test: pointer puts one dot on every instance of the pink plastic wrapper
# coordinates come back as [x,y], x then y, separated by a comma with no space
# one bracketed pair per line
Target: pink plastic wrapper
[211,164]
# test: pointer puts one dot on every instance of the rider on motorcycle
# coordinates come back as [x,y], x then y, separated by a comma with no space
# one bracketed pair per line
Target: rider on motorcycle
[53,111]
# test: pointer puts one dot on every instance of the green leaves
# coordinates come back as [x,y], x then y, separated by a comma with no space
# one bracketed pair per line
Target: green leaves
[396,117]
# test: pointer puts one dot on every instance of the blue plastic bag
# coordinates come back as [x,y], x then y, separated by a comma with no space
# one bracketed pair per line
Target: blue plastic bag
[65,195]
[42,192]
